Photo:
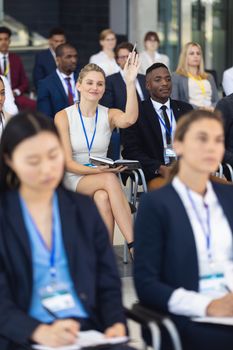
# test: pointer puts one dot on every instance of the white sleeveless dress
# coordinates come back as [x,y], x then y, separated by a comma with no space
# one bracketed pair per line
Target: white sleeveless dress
[78,140]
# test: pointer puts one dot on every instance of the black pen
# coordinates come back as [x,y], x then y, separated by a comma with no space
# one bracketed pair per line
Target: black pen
[51,313]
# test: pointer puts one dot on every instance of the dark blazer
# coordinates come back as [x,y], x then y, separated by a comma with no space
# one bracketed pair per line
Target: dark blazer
[165,249]
[51,95]
[19,79]
[90,259]
[115,92]
[225,106]
[44,65]
[143,141]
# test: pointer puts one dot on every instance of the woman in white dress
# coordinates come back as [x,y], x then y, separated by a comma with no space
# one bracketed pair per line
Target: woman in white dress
[106,58]
[150,55]
[85,129]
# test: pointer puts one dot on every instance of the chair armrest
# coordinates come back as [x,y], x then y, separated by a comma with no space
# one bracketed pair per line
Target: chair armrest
[146,317]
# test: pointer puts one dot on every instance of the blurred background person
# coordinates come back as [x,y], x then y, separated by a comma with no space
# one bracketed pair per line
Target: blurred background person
[106,57]
[3,116]
[85,129]
[190,82]
[115,91]
[227,81]
[45,61]
[50,247]
[184,238]
[151,55]
[9,105]
[12,68]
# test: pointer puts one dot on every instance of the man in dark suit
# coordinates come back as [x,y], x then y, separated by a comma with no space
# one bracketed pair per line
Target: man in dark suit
[225,106]
[45,61]
[149,140]
[12,68]
[115,92]
[58,90]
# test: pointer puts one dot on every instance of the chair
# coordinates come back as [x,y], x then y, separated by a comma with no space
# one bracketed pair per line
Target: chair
[136,178]
[154,322]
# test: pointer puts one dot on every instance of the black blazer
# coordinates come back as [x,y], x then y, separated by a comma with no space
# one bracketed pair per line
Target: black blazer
[165,249]
[225,106]
[143,141]
[115,92]
[52,97]
[90,258]
[44,65]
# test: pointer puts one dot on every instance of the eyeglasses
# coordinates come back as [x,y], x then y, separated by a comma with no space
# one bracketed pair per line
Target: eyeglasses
[122,57]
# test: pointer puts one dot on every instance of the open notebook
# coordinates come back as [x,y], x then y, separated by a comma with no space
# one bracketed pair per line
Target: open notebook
[86,339]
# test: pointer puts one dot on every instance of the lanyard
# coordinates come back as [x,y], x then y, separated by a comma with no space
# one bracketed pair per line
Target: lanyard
[52,268]
[168,131]
[89,145]
[199,83]
[207,233]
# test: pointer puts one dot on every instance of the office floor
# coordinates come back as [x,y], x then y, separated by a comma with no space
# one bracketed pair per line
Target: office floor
[129,294]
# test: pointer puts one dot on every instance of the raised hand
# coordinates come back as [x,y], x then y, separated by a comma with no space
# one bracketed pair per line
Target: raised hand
[131,67]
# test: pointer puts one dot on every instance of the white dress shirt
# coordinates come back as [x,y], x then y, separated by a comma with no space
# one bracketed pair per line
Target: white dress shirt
[227,81]
[2,64]
[137,85]
[62,77]
[109,65]
[146,60]
[191,303]
[157,106]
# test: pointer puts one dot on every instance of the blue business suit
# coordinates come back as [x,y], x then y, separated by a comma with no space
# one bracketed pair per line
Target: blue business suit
[52,97]
[44,65]
[90,259]
[166,259]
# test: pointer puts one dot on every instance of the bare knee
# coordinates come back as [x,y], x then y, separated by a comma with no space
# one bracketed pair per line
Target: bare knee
[111,181]
[102,200]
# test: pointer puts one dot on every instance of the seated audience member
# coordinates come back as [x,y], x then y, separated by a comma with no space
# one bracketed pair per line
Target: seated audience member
[149,140]
[106,57]
[58,273]
[57,90]
[227,81]
[9,104]
[45,61]
[85,129]
[150,55]
[3,115]
[115,92]
[225,106]
[190,82]
[183,238]
[12,68]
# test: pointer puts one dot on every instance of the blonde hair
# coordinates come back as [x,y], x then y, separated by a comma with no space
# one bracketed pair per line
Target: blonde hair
[182,67]
[91,67]
[104,33]
[184,124]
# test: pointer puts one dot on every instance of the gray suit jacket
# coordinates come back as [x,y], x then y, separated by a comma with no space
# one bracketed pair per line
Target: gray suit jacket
[180,90]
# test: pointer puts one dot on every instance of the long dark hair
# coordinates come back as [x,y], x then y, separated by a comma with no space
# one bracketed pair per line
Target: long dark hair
[183,126]
[19,128]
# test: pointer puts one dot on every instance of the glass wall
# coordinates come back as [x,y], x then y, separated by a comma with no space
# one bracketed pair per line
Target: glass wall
[208,22]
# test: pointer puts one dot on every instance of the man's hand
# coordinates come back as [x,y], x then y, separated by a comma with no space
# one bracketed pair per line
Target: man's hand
[222,307]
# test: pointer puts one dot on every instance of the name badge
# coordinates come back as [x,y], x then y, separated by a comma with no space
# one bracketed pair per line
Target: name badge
[57,298]
[169,152]
[212,283]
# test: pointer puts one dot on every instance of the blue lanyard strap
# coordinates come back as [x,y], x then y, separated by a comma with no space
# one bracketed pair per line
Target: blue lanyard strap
[52,267]
[89,145]
[168,131]
[207,233]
